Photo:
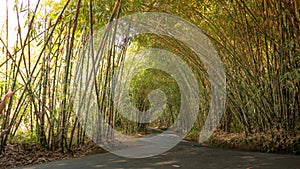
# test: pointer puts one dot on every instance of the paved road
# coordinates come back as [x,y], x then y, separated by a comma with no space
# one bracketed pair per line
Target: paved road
[185,155]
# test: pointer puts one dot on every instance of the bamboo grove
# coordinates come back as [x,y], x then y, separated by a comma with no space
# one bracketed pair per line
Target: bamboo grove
[258,42]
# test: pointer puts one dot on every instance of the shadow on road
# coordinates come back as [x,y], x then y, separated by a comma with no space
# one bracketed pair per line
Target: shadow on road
[184,155]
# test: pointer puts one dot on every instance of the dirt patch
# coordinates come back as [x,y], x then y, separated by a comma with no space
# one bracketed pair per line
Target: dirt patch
[271,142]
[17,154]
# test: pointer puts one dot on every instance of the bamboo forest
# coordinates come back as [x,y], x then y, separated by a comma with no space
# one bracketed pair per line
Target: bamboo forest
[221,74]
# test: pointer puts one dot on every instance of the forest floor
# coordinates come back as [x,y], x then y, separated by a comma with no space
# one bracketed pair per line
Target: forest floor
[17,154]
[271,142]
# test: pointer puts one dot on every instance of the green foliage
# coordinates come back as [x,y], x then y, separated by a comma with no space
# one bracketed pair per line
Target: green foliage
[149,80]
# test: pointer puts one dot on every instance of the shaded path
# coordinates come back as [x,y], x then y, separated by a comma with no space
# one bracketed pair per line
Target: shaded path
[184,155]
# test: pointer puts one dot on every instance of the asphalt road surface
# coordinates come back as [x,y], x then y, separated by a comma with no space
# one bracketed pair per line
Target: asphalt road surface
[184,155]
